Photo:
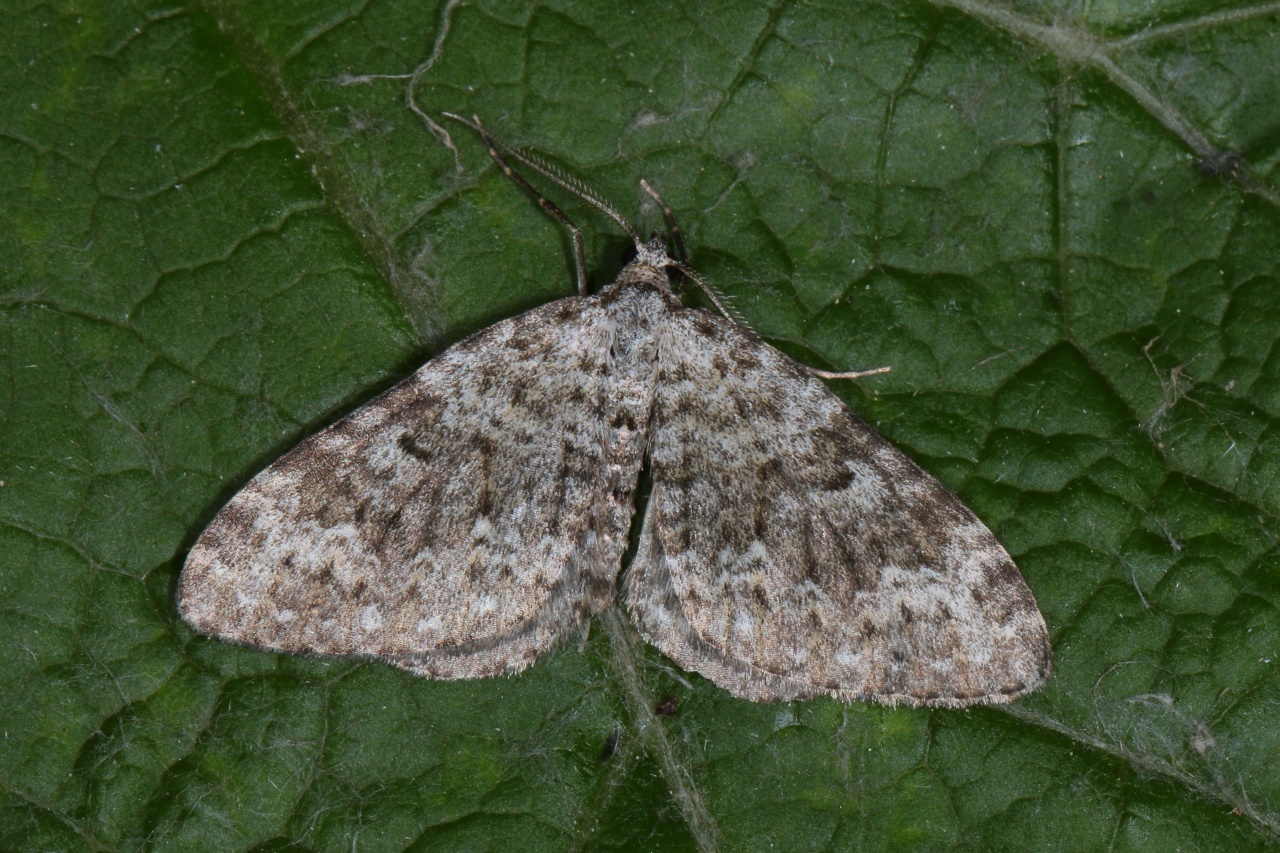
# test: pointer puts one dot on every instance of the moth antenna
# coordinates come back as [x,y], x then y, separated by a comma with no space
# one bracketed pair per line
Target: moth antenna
[569,182]
[548,206]
[551,175]
[722,303]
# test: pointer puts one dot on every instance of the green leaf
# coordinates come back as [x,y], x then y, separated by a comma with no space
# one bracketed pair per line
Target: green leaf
[225,225]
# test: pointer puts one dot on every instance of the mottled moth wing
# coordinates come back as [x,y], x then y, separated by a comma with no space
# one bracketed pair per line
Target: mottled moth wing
[788,550]
[452,525]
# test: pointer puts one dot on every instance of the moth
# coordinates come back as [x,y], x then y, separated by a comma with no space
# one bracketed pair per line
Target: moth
[477,514]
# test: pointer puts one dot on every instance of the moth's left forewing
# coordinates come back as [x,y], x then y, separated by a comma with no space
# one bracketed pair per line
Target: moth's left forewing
[789,550]
[450,526]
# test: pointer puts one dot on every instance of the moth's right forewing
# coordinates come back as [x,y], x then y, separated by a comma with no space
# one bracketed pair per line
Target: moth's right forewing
[441,525]
[789,550]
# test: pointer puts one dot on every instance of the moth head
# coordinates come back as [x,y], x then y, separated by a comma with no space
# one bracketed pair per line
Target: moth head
[653,254]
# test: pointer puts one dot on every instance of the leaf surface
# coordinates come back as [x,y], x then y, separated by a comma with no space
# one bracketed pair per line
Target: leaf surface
[225,225]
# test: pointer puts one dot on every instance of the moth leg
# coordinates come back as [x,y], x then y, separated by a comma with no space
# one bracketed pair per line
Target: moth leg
[550,207]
